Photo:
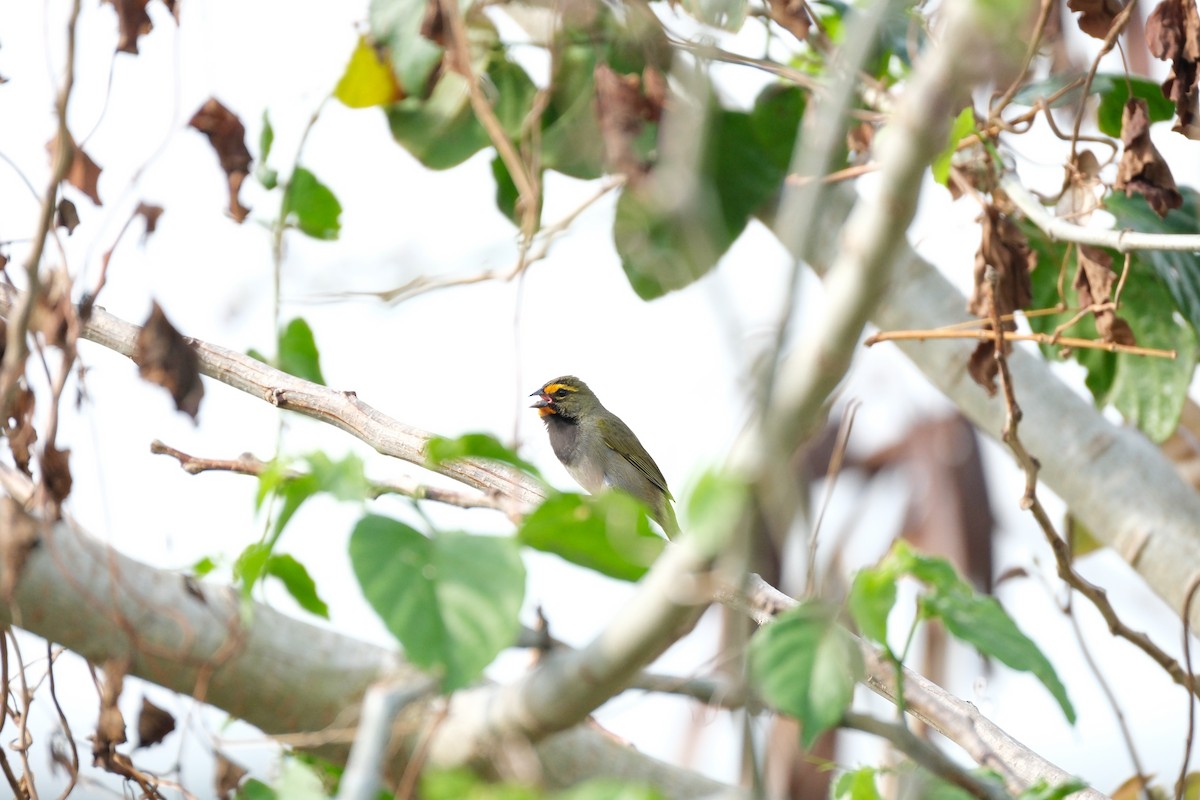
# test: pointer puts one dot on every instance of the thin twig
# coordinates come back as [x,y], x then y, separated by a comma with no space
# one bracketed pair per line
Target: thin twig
[925,754]
[1065,231]
[1190,684]
[1114,32]
[1035,41]
[831,476]
[248,464]
[458,46]
[16,347]
[1040,338]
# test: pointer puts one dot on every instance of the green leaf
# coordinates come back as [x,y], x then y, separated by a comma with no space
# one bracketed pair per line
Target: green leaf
[962,127]
[1044,791]
[266,176]
[975,619]
[299,782]
[311,206]
[440,132]
[856,785]
[609,533]
[805,665]
[1114,93]
[872,596]
[298,582]
[1151,392]
[440,449]
[715,508]
[294,492]
[396,24]
[298,353]
[571,140]
[345,479]
[514,92]
[462,784]
[668,237]
[452,600]
[254,789]
[507,194]
[610,789]
[250,565]
[368,80]
[204,566]
[1177,270]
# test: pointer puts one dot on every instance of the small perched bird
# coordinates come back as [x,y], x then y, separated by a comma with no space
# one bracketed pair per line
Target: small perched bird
[599,450]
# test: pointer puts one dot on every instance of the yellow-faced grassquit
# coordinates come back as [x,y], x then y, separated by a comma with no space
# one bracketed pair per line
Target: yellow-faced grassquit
[599,450]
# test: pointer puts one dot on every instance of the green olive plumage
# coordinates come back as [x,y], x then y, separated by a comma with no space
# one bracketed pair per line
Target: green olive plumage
[599,450]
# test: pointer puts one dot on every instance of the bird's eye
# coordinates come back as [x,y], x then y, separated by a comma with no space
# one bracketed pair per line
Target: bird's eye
[560,394]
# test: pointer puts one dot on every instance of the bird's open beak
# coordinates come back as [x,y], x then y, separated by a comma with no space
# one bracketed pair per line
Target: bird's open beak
[543,400]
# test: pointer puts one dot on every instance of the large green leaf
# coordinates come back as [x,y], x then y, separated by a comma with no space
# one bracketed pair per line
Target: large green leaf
[1149,392]
[669,232]
[805,665]
[440,132]
[609,533]
[451,600]
[299,584]
[571,139]
[1179,271]
[976,619]
[872,596]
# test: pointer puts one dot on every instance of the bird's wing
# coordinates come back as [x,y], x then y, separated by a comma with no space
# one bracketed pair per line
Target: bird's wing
[638,457]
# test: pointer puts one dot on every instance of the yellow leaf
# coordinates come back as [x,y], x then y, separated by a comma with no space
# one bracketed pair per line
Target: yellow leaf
[368,80]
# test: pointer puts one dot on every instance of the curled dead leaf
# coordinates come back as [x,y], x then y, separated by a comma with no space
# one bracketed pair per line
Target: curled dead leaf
[1094,279]
[56,472]
[1082,188]
[229,775]
[66,215]
[19,428]
[150,213]
[110,727]
[164,357]
[624,104]
[82,172]
[1095,16]
[1003,249]
[153,724]
[1142,169]
[1173,34]
[791,15]
[227,135]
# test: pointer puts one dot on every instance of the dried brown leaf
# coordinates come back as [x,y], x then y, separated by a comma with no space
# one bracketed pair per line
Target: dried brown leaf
[19,428]
[153,724]
[1004,249]
[791,15]
[110,727]
[229,775]
[150,213]
[433,23]
[1142,169]
[18,537]
[1095,16]
[66,215]
[82,172]
[227,135]
[624,103]
[52,311]
[56,472]
[134,23]
[164,357]
[1173,34]
[1094,279]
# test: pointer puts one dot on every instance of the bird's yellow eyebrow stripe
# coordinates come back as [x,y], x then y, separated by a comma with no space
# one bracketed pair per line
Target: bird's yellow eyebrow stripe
[554,387]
